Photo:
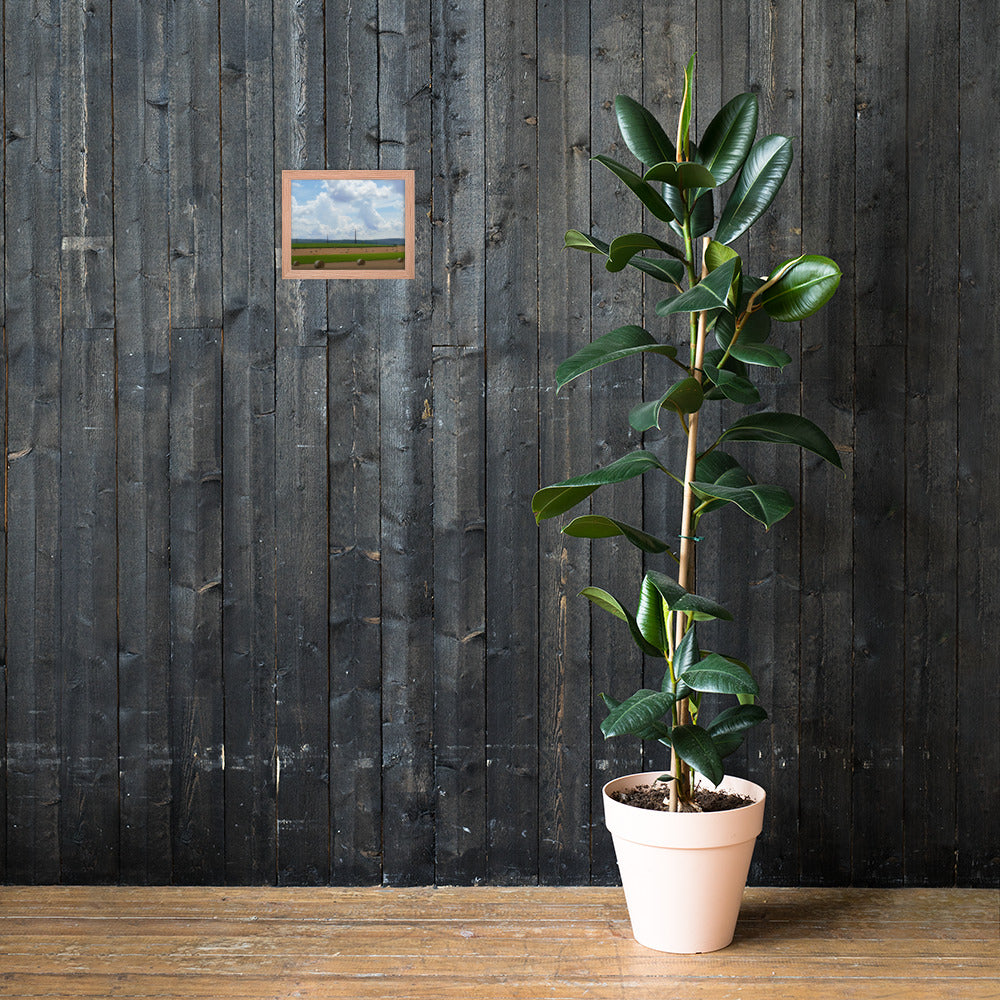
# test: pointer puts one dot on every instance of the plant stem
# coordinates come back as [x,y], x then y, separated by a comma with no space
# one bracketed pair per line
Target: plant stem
[686,562]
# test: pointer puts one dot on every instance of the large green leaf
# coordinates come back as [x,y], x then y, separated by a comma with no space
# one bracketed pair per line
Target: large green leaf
[713,358]
[695,746]
[646,194]
[803,289]
[702,215]
[756,329]
[679,599]
[712,292]
[636,714]
[642,133]
[606,602]
[595,526]
[715,674]
[735,387]
[762,175]
[624,342]
[671,271]
[728,138]
[685,656]
[551,501]
[767,504]
[719,468]
[575,240]
[766,355]
[651,617]
[623,248]
[684,396]
[728,743]
[783,428]
[681,175]
[736,719]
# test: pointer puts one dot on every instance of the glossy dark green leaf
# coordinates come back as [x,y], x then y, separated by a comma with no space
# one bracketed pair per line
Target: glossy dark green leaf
[623,249]
[671,271]
[685,656]
[767,504]
[595,526]
[765,355]
[637,713]
[684,396]
[783,428]
[551,501]
[762,175]
[642,133]
[679,599]
[713,358]
[703,215]
[663,304]
[732,386]
[624,342]
[718,467]
[651,618]
[756,329]
[711,292]
[715,674]
[606,602]
[728,743]
[802,290]
[736,719]
[576,240]
[681,175]
[729,136]
[654,731]
[646,194]
[695,746]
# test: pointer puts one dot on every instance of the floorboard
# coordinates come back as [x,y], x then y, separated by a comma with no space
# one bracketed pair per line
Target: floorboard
[74,942]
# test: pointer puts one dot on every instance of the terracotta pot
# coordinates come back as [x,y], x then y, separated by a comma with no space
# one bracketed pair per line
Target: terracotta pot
[683,873]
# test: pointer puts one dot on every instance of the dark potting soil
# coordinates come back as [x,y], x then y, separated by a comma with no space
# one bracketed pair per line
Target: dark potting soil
[657,797]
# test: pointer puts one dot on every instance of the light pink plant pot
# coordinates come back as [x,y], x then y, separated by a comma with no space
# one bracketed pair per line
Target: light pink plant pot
[683,873]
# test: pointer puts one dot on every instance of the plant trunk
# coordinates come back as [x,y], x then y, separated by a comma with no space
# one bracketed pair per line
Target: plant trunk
[680,786]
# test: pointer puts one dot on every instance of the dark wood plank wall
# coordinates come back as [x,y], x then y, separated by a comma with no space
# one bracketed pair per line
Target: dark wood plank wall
[275,608]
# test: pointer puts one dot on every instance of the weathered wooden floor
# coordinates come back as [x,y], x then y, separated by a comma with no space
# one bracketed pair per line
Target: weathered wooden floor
[911,944]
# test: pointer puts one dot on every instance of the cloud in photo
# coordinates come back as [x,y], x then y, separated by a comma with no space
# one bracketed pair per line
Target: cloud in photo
[335,209]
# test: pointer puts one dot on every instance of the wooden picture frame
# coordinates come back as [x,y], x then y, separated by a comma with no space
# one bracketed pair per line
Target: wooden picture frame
[347,224]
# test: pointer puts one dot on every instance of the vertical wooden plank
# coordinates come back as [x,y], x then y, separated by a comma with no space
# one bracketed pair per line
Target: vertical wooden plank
[88,702]
[880,441]
[771,610]
[87,540]
[978,704]
[301,477]
[32,224]
[196,713]
[407,469]
[459,623]
[929,764]
[616,41]
[563,328]
[827,399]
[512,443]
[142,289]
[248,394]
[458,404]
[193,114]
[354,481]
[87,273]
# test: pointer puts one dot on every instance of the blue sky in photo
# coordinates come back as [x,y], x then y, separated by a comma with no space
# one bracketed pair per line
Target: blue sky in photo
[339,209]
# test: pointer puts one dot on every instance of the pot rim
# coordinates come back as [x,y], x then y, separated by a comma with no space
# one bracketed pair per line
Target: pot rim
[649,777]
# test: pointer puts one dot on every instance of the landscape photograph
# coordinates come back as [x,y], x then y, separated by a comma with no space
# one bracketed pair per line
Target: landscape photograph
[347,224]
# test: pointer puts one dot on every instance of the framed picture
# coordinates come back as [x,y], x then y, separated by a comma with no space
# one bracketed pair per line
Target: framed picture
[347,224]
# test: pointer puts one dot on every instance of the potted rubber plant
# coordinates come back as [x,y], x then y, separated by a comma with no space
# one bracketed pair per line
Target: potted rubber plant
[684,836]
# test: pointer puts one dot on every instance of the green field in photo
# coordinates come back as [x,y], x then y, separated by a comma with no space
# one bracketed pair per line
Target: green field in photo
[307,260]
